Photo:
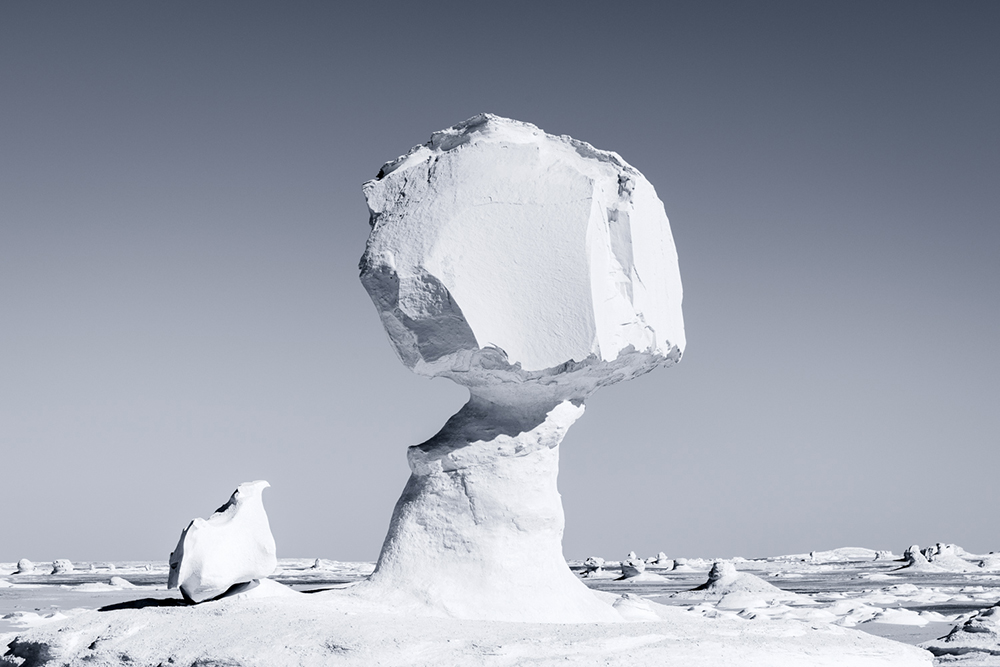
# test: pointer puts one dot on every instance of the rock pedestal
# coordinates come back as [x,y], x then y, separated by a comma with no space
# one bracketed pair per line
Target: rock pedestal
[478,530]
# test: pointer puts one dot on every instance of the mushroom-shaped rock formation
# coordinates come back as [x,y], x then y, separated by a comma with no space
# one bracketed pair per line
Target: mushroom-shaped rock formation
[233,546]
[25,566]
[532,269]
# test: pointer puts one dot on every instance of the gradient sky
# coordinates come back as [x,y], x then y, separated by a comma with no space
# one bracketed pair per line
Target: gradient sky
[181,220]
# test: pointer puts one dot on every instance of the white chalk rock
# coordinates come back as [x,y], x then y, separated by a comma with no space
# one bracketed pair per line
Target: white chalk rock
[916,560]
[724,579]
[478,530]
[632,566]
[949,557]
[990,562]
[232,546]
[977,639]
[634,608]
[25,566]
[532,269]
[914,556]
[62,566]
[500,253]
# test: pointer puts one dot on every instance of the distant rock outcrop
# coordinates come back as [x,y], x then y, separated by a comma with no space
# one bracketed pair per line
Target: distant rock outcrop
[990,562]
[234,546]
[682,565]
[661,560]
[62,566]
[632,566]
[593,566]
[724,579]
[938,558]
[915,559]
[25,566]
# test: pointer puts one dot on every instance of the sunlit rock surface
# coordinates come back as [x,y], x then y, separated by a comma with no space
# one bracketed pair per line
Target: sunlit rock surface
[976,639]
[501,253]
[232,546]
[61,566]
[532,269]
[632,566]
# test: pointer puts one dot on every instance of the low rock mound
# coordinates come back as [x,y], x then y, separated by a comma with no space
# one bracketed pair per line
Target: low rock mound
[724,579]
[25,566]
[990,562]
[938,558]
[62,566]
[915,560]
[661,560]
[980,634]
[593,566]
[683,565]
[634,608]
[119,582]
[632,566]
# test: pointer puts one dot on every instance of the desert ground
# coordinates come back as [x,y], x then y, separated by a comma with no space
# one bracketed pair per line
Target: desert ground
[915,601]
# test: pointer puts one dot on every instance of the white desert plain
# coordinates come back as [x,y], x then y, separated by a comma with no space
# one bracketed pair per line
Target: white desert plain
[533,270]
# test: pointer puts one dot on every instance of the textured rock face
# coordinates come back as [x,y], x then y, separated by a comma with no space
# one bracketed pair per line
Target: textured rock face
[633,566]
[500,253]
[533,270]
[978,637]
[478,530]
[232,546]
[62,566]
[721,570]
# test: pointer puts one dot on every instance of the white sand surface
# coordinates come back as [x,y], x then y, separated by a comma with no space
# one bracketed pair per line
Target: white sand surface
[320,629]
[914,607]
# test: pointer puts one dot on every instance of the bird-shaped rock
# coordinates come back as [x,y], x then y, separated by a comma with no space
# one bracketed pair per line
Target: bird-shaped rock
[233,546]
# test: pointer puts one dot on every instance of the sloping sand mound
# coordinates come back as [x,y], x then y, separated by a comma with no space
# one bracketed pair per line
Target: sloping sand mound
[724,579]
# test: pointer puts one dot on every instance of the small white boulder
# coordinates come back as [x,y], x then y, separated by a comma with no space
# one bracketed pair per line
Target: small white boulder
[232,546]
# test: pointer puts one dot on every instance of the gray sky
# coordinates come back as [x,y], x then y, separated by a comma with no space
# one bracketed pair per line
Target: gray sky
[181,220]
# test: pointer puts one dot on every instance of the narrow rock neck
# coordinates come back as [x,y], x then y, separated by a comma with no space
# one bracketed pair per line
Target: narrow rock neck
[485,429]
